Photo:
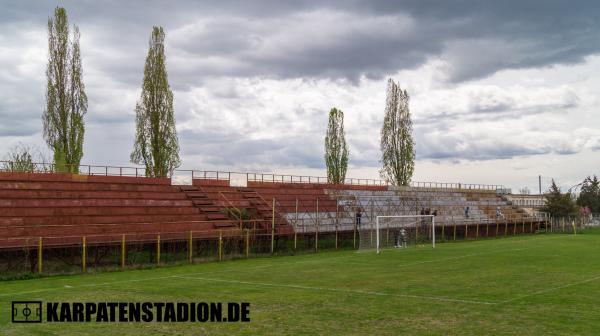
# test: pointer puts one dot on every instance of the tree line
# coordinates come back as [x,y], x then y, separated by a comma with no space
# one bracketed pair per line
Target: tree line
[156,144]
[587,202]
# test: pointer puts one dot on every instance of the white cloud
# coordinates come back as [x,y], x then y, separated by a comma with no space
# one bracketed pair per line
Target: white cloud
[253,88]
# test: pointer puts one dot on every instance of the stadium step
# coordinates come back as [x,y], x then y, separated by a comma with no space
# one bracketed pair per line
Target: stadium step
[20,203]
[210,208]
[215,216]
[206,205]
[96,211]
[201,201]
[225,224]
[84,220]
[87,194]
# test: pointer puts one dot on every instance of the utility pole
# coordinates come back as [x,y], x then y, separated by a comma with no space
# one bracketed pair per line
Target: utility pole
[540,183]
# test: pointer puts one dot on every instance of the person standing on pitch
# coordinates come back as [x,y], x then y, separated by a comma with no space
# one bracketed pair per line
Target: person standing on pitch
[402,238]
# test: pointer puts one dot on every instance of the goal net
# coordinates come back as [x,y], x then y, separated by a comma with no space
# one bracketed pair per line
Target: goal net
[397,232]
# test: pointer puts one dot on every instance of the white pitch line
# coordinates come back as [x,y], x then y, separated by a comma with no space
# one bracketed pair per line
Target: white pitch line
[448,258]
[157,278]
[544,291]
[253,268]
[250,268]
[329,289]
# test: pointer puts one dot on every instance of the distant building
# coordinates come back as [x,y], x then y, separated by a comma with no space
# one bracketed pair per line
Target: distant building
[529,203]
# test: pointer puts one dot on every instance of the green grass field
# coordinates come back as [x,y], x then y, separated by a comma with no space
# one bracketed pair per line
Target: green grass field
[535,285]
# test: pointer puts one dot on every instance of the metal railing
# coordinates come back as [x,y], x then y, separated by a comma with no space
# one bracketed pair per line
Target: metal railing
[99,170]
[276,178]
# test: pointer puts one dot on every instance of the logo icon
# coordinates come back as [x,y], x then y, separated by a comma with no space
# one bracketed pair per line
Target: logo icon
[26,311]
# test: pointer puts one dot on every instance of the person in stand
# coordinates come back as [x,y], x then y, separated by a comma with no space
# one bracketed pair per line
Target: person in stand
[499,213]
[467,212]
[358,217]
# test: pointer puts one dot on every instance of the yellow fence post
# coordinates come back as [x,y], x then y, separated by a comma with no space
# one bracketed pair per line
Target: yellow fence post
[190,248]
[247,243]
[466,231]
[336,223]
[477,231]
[273,228]
[158,249]
[83,255]
[317,229]
[220,245]
[531,226]
[443,231]
[40,247]
[416,234]
[354,234]
[497,226]
[296,228]
[123,252]
[454,231]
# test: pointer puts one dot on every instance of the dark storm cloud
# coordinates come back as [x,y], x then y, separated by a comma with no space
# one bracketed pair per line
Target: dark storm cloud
[336,39]
[231,149]
[343,40]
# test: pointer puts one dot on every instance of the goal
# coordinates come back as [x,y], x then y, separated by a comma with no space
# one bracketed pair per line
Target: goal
[397,232]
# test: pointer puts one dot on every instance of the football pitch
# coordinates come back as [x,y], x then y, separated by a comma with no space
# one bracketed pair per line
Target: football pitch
[540,284]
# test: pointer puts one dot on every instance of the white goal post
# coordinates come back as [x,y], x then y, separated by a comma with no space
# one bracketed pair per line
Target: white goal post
[418,218]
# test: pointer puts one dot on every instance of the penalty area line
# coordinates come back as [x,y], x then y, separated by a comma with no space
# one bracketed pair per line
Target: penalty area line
[544,291]
[333,289]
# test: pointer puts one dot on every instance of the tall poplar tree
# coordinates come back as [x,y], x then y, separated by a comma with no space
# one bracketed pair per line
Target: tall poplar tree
[397,144]
[336,150]
[156,144]
[66,101]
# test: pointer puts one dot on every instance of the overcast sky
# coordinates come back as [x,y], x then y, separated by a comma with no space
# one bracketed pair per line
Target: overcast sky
[501,91]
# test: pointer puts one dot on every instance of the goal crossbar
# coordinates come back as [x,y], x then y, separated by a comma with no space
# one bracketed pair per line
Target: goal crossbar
[405,216]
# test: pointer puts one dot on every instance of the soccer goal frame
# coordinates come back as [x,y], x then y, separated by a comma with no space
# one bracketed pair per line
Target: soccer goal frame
[377,229]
